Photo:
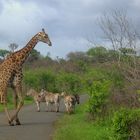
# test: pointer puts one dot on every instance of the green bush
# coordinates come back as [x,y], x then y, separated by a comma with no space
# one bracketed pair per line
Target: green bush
[98,92]
[51,81]
[126,124]
[68,82]
[40,78]
[116,77]
[31,79]
[47,80]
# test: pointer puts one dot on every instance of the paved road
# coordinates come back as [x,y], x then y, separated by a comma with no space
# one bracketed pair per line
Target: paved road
[35,125]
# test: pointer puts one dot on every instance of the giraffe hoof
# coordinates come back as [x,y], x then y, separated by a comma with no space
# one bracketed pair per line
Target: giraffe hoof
[10,123]
[18,123]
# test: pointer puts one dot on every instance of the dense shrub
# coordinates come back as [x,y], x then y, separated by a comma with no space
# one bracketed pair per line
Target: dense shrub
[116,77]
[69,82]
[54,82]
[126,124]
[31,79]
[47,80]
[40,78]
[98,92]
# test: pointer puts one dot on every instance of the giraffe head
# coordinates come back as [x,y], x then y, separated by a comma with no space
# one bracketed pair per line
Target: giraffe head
[43,37]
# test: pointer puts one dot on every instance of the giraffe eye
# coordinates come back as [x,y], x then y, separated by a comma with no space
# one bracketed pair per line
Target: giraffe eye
[45,36]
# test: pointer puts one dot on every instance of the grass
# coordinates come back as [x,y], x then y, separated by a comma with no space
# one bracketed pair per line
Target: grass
[77,127]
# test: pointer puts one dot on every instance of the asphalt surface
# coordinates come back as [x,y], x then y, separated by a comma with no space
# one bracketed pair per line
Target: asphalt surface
[35,125]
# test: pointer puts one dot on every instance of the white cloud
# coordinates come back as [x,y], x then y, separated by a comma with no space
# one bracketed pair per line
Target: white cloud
[16,17]
[63,45]
[21,21]
[136,3]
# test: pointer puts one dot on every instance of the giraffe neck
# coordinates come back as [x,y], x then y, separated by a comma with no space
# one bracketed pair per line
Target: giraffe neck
[21,55]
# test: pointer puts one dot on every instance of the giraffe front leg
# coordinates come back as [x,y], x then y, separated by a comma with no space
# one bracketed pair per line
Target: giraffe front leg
[15,105]
[16,118]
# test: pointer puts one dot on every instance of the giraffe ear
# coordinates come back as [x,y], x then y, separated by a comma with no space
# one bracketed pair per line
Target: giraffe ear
[43,30]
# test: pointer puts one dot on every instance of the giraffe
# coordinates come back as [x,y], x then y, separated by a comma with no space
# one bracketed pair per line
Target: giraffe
[11,75]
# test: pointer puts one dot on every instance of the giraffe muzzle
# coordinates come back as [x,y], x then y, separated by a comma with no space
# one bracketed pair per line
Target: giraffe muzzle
[50,43]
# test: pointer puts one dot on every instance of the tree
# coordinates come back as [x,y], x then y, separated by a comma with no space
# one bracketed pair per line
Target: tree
[123,36]
[69,82]
[76,56]
[48,56]
[13,47]
[98,53]
[35,55]
[127,51]
[78,61]
[3,53]
[118,29]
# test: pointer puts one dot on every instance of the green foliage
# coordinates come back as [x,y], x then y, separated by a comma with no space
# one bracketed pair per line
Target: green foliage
[82,66]
[47,79]
[69,82]
[98,83]
[3,53]
[126,124]
[79,60]
[112,55]
[116,77]
[74,56]
[31,79]
[95,74]
[98,92]
[98,54]
[97,51]
[40,78]
[127,51]
[35,55]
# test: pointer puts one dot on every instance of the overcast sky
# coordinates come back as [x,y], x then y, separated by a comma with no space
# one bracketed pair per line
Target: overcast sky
[69,23]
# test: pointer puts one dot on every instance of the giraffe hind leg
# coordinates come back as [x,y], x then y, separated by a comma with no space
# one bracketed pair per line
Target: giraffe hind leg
[20,104]
[18,99]
[8,115]
[14,117]
[3,101]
